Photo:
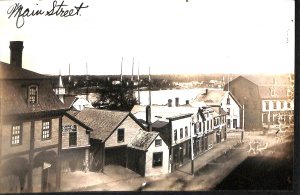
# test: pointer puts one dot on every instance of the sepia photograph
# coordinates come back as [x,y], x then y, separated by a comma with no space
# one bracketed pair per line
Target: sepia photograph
[147,95]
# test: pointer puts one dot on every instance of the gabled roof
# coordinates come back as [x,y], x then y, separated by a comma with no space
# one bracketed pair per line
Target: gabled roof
[267,79]
[143,140]
[8,71]
[69,100]
[103,122]
[213,97]
[279,92]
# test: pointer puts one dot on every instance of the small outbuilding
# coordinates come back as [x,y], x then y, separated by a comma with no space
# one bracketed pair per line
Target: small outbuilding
[148,154]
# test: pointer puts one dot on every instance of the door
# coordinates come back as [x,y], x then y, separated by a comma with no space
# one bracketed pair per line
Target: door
[234,123]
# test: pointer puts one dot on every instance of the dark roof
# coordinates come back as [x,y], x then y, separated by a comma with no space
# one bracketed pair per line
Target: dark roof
[8,71]
[213,97]
[143,140]
[103,122]
[159,124]
[15,97]
[265,84]
[69,100]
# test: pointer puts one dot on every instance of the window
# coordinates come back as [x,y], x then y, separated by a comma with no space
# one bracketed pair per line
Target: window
[157,159]
[175,135]
[73,135]
[289,105]
[228,111]
[274,105]
[33,94]
[228,100]
[186,131]
[207,125]
[272,92]
[200,128]
[157,142]
[282,105]
[120,135]
[195,128]
[46,130]
[181,133]
[228,123]
[16,135]
[203,126]
[267,106]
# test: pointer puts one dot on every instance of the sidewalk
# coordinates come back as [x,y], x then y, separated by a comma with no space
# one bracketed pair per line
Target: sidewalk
[208,156]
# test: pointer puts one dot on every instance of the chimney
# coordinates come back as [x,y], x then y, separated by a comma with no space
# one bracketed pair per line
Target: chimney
[177,101]
[169,102]
[16,49]
[206,92]
[148,117]
[187,102]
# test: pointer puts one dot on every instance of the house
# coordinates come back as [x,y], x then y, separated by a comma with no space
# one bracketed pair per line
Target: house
[268,99]
[30,129]
[112,132]
[75,144]
[226,101]
[75,102]
[148,154]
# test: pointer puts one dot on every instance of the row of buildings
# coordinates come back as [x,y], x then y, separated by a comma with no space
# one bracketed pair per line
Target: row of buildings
[44,133]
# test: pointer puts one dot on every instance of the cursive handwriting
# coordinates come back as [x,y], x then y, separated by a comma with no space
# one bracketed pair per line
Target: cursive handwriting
[58,9]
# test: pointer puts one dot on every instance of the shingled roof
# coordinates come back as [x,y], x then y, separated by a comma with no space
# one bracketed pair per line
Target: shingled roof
[213,97]
[14,91]
[8,71]
[143,140]
[103,122]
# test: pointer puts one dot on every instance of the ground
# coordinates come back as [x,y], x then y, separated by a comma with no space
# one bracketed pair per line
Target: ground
[259,162]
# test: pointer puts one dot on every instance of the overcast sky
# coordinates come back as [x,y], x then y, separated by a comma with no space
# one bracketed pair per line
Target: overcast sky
[171,36]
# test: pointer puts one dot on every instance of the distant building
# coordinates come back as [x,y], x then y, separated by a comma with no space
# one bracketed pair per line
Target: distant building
[268,99]
[30,128]
[77,103]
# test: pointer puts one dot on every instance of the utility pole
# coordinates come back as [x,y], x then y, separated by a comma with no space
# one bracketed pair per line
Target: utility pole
[121,79]
[243,130]
[132,70]
[192,151]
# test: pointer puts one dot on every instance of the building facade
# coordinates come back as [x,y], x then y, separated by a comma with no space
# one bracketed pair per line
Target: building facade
[30,134]
[266,99]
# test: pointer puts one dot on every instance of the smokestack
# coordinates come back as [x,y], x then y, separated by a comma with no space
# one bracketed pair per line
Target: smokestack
[148,117]
[187,102]
[177,101]
[169,102]
[16,49]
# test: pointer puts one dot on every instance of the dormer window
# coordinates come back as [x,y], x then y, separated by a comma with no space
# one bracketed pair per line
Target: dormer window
[33,94]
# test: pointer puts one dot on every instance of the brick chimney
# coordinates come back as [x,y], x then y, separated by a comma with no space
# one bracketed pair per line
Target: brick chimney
[148,117]
[177,101]
[169,102]
[16,49]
